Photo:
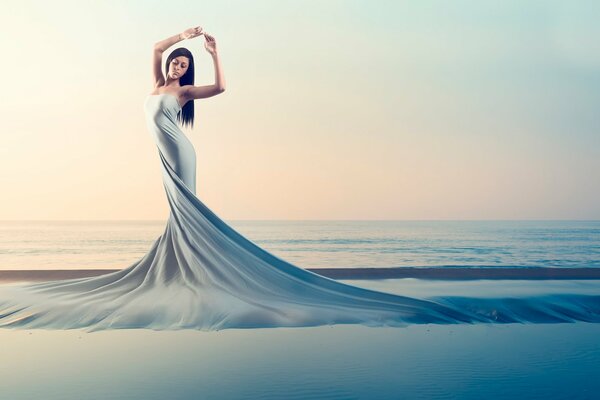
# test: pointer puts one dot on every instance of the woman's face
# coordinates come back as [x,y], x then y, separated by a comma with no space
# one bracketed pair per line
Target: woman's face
[178,67]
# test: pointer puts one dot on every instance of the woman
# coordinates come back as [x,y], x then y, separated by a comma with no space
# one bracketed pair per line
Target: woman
[179,90]
[180,72]
[200,273]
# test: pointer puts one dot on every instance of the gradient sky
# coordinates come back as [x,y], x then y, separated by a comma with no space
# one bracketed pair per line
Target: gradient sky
[333,109]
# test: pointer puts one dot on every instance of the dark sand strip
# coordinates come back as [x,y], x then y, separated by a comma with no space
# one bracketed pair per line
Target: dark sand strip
[444,273]
[460,273]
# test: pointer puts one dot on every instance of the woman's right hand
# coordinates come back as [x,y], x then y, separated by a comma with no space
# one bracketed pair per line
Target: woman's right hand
[192,32]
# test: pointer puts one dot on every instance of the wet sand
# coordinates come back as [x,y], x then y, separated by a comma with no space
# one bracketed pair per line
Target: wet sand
[445,273]
[515,361]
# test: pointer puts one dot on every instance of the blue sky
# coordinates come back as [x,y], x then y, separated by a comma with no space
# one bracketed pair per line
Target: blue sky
[333,109]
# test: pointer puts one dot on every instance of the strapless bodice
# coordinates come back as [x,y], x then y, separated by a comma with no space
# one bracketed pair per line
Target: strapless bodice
[162,104]
[161,117]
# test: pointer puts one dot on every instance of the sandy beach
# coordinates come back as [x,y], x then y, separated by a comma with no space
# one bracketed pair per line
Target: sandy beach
[429,361]
[443,273]
[554,361]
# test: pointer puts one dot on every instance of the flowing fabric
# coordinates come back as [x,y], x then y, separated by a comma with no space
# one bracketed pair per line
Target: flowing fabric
[202,274]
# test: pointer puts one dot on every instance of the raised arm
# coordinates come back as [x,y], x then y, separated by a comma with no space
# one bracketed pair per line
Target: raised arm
[201,92]
[160,47]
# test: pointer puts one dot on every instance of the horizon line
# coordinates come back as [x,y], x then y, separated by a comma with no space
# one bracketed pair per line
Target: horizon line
[315,220]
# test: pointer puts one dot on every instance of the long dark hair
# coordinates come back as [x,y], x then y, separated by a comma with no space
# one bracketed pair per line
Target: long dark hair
[186,115]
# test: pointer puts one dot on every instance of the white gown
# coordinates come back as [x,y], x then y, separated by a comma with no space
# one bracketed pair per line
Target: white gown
[202,274]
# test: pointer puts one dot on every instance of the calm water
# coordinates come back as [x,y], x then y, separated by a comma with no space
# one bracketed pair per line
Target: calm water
[318,244]
[545,361]
[560,361]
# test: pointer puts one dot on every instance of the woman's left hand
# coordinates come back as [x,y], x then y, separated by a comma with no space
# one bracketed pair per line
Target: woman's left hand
[210,44]
[191,33]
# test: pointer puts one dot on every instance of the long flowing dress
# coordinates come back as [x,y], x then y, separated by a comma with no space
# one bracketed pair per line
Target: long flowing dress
[202,274]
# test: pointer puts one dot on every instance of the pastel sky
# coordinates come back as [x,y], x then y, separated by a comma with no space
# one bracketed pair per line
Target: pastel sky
[333,109]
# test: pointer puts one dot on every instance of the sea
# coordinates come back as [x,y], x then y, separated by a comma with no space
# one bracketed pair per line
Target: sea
[317,244]
[429,361]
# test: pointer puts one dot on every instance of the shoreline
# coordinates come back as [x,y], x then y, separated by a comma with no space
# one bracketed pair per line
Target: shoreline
[433,273]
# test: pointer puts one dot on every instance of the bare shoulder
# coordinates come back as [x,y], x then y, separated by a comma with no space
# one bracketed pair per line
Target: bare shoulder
[178,92]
